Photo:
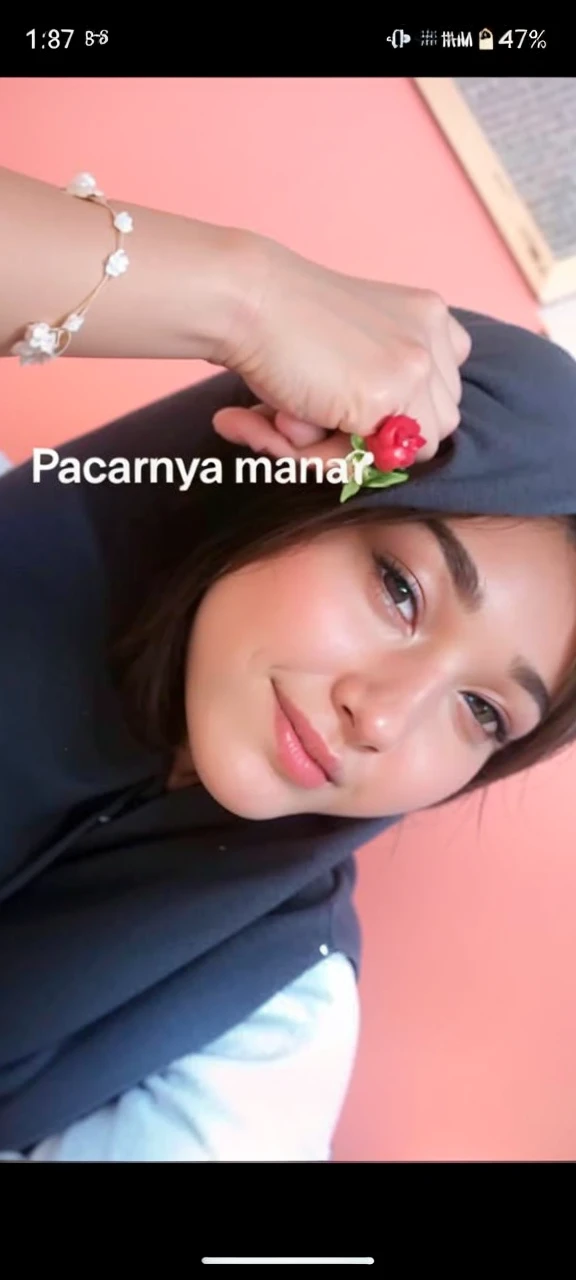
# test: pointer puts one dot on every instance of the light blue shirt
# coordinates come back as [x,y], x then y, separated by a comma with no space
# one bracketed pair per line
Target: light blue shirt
[269,1090]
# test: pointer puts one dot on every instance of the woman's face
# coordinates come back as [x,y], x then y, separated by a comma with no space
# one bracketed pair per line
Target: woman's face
[368,673]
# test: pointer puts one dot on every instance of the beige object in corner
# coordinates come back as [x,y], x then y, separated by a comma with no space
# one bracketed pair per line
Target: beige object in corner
[515,138]
[559,320]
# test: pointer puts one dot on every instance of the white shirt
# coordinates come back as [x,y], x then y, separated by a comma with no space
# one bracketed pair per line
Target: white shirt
[269,1090]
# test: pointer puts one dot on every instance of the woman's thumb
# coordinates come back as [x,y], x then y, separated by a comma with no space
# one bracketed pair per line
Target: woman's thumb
[263,430]
[301,434]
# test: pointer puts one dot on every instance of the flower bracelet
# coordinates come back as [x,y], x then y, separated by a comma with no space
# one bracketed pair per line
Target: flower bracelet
[42,341]
[395,442]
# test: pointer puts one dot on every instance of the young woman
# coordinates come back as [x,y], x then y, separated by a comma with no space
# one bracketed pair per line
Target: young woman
[213,696]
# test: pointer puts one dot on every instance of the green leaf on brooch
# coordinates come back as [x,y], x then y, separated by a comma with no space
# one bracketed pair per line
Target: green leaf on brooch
[358,443]
[349,490]
[384,481]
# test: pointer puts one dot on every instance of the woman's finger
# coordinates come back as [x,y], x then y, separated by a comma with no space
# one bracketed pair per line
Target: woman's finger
[422,408]
[447,408]
[234,424]
[445,364]
[301,434]
[252,427]
[256,428]
[460,340]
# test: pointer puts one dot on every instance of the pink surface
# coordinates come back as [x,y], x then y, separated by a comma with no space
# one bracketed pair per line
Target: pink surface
[468,1048]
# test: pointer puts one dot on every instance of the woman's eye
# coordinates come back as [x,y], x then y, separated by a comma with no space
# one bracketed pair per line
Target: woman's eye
[398,588]
[403,595]
[487,715]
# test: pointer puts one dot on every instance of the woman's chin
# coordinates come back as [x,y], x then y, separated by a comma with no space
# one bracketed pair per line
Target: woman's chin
[249,791]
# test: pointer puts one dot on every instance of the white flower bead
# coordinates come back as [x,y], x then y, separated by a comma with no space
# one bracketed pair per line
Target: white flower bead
[117,263]
[30,355]
[39,344]
[123,222]
[73,323]
[83,185]
[42,337]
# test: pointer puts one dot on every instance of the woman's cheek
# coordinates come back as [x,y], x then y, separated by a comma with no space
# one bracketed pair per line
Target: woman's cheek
[429,766]
[309,613]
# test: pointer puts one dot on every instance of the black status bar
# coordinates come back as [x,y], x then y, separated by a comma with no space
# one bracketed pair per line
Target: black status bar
[126,48]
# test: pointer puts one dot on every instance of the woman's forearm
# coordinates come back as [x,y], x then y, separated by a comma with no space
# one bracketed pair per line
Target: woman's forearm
[183,291]
[321,350]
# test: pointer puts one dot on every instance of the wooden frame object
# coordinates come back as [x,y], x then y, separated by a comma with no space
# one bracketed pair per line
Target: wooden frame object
[550,277]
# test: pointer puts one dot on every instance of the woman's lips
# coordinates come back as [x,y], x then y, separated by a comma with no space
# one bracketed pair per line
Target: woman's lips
[303,754]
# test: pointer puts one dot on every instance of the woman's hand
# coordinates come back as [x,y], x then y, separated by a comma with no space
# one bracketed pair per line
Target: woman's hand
[326,352]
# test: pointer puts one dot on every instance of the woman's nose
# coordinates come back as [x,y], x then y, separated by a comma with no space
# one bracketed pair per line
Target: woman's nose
[378,714]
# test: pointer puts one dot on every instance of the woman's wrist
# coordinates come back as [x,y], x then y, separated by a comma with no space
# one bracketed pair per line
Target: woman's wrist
[185,295]
[188,290]
[225,268]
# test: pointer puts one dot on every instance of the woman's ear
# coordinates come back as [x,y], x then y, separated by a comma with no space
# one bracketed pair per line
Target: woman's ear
[279,435]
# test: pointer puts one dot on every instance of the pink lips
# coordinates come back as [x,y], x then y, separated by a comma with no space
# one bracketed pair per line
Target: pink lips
[303,754]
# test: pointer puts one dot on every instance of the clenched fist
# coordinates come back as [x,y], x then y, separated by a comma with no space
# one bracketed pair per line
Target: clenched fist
[329,354]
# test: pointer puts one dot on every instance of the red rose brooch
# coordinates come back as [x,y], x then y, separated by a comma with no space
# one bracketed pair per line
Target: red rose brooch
[395,444]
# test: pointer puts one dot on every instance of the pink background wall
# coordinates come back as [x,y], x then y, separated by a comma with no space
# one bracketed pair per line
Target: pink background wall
[469,1039]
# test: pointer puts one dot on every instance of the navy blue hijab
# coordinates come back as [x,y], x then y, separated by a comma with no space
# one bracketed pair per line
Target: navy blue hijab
[138,925]
[515,450]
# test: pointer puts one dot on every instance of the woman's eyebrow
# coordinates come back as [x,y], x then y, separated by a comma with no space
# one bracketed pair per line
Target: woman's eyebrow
[528,679]
[466,582]
[460,565]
